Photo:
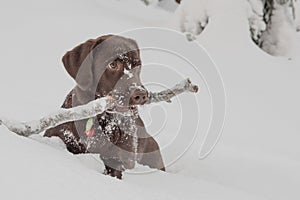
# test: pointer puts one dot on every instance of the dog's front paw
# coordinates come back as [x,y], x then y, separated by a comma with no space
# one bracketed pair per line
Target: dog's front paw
[113,172]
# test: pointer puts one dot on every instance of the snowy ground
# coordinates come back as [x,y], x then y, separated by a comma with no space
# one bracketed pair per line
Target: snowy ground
[257,156]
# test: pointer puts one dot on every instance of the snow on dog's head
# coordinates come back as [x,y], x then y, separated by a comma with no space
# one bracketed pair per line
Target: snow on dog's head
[107,65]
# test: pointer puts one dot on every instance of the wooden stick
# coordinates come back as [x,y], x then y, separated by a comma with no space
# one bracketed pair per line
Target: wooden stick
[88,110]
[59,117]
[168,94]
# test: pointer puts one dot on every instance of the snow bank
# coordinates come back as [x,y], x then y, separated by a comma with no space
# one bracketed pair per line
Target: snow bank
[255,17]
[298,15]
[279,38]
[32,170]
[191,17]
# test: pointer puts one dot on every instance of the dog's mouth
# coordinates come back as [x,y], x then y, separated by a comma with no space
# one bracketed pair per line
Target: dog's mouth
[121,108]
[126,102]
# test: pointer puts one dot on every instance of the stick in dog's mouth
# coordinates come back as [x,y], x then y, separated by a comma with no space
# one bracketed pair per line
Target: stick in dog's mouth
[92,109]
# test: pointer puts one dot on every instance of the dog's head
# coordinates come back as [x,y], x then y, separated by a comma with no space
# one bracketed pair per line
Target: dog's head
[107,65]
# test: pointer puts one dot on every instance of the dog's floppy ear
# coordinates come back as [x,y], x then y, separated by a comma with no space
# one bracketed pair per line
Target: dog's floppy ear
[79,61]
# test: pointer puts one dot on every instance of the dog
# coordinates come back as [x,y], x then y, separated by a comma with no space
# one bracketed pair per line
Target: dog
[109,65]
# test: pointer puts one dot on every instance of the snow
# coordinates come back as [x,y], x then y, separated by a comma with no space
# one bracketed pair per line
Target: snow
[279,40]
[255,16]
[297,15]
[128,73]
[191,17]
[257,156]
[62,175]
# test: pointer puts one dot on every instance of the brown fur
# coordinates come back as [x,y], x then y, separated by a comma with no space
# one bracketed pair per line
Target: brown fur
[88,64]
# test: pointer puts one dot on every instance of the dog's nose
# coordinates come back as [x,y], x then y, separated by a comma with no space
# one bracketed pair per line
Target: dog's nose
[139,97]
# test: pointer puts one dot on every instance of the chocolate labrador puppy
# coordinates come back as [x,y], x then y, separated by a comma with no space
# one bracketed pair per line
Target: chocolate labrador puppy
[109,65]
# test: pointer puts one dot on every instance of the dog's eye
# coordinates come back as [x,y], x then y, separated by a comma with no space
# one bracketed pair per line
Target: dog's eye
[113,65]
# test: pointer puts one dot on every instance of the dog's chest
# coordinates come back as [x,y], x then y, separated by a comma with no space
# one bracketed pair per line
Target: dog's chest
[115,129]
[110,128]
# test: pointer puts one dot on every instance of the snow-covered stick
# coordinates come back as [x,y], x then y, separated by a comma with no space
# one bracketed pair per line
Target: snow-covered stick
[61,116]
[168,94]
[88,110]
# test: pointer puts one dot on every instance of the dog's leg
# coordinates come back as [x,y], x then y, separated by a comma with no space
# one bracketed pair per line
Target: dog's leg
[72,143]
[148,149]
[113,167]
[150,153]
